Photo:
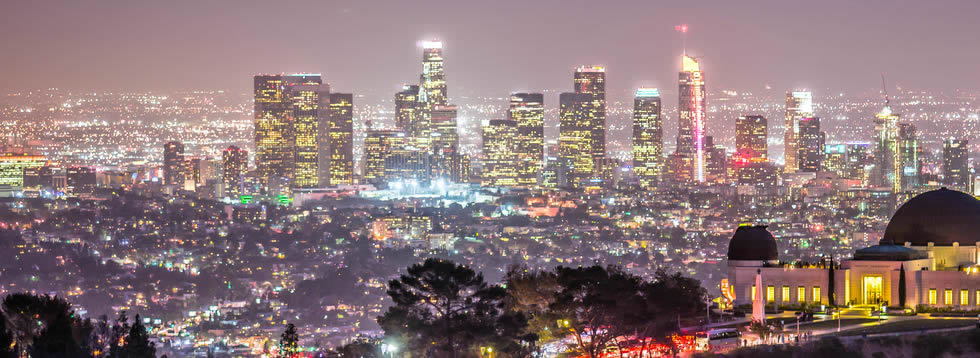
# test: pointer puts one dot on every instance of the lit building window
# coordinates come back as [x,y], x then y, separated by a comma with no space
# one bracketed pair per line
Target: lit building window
[770,293]
[801,294]
[785,297]
[816,294]
[932,296]
[948,297]
[753,293]
[964,297]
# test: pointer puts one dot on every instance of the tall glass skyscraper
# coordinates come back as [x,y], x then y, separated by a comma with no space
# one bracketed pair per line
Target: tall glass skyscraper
[527,111]
[286,128]
[341,140]
[590,81]
[648,133]
[799,105]
[501,157]
[691,148]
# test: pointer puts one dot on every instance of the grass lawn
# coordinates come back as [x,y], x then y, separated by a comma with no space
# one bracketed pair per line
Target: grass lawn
[911,325]
[828,324]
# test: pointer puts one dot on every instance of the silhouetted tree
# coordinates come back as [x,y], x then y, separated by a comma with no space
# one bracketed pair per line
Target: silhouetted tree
[593,305]
[289,342]
[24,311]
[138,343]
[831,284]
[119,331]
[56,340]
[445,309]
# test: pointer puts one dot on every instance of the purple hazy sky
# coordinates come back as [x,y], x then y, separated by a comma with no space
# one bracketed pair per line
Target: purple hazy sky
[492,47]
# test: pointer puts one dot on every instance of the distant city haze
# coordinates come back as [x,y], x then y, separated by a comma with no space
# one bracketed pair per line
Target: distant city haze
[492,48]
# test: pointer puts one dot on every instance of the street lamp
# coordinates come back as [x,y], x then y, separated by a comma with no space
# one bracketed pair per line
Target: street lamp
[389,348]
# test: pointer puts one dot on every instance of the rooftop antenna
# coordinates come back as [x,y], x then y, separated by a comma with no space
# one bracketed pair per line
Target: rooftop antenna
[682,28]
[884,89]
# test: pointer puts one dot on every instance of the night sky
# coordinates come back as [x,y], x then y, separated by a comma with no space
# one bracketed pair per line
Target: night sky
[492,48]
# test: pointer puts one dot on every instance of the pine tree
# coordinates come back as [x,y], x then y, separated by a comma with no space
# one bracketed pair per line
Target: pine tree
[289,342]
[138,343]
[831,285]
[901,286]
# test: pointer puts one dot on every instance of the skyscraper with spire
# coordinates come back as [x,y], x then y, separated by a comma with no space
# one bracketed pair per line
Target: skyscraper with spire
[691,150]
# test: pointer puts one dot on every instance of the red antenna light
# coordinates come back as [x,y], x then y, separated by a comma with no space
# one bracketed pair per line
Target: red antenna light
[681,28]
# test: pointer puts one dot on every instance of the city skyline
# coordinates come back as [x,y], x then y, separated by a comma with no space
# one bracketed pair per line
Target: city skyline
[119,47]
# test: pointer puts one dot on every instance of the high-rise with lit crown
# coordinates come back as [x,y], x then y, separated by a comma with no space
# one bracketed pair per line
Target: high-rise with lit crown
[433,79]
[340,132]
[691,148]
[886,172]
[527,110]
[799,105]
[648,135]
[501,157]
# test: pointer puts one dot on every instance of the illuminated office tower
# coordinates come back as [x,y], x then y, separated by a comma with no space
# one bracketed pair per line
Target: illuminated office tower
[501,158]
[323,135]
[956,170]
[433,79]
[858,162]
[234,165]
[715,162]
[908,157]
[447,161]
[445,138]
[340,132]
[810,144]
[691,149]
[648,137]
[751,135]
[173,164]
[303,94]
[527,110]
[590,82]
[378,144]
[80,179]
[286,123]
[835,159]
[886,171]
[13,166]
[576,162]
[409,116]
[407,165]
[799,105]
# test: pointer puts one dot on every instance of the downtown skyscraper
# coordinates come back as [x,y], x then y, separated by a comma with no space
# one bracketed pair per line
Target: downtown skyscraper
[648,134]
[173,164]
[527,111]
[340,143]
[234,165]
[286,129]
[691,152]
[810,145]
[582,132]
[956,164]
[501,156]
[886,172]
[799,105]
[909,157]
